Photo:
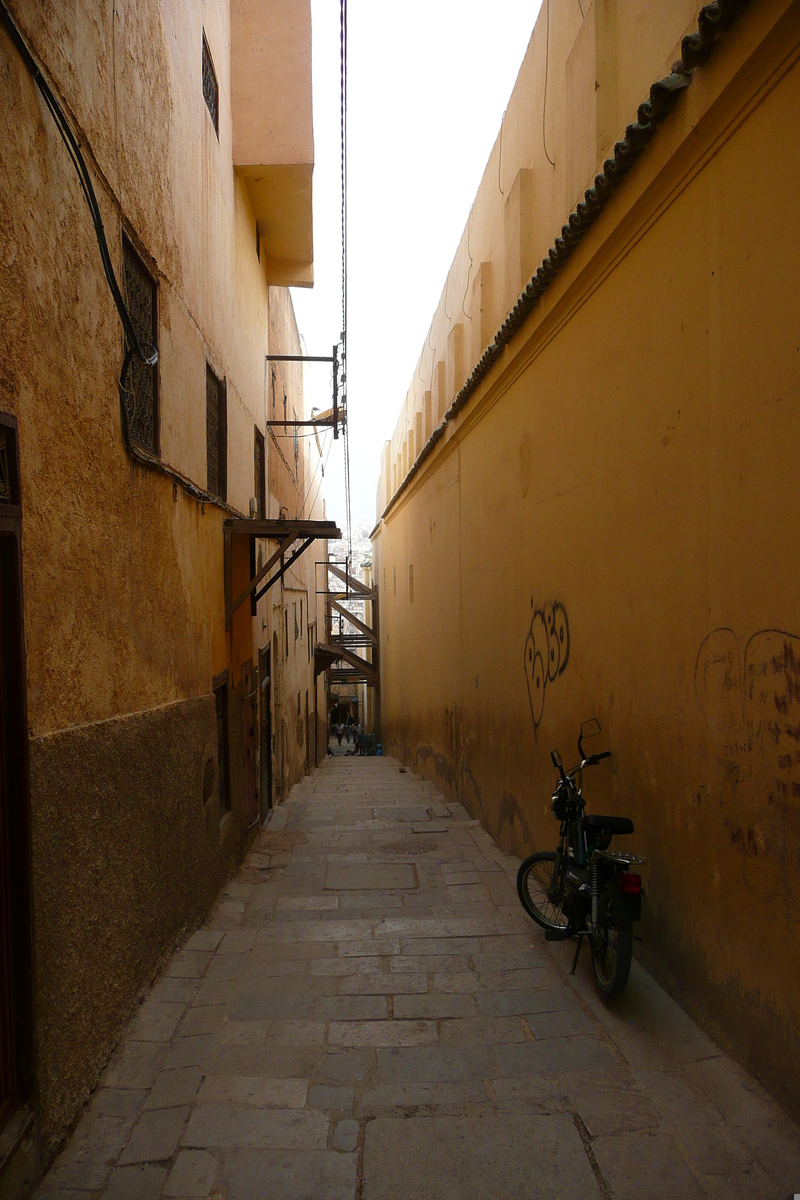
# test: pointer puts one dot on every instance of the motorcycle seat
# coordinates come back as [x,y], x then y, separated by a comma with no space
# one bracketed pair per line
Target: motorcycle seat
[607,824]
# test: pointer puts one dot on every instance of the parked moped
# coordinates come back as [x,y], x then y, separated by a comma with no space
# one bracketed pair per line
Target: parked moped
[584,889]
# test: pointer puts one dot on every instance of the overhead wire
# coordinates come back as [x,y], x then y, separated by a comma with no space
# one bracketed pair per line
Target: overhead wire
[544,102]
[300,512]
[321,476]
[343,131]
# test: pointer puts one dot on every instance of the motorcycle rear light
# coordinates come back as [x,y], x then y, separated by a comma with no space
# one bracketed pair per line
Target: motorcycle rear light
[630,883]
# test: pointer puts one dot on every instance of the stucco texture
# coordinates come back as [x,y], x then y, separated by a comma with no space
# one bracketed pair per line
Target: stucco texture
[125,855]
[609,530]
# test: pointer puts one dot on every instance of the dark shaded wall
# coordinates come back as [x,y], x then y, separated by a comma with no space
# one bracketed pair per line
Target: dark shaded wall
[609,528]
[126,854]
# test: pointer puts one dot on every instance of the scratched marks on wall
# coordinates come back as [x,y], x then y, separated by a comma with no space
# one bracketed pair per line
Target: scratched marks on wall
[546,654]
[750,697]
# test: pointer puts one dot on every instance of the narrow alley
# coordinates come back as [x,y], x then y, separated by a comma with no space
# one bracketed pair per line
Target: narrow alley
[368,1013]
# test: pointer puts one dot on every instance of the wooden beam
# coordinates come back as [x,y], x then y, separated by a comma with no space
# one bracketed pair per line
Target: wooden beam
[351,582]
[284,567]
[326,655]
[227,574]
[277,530]
[353,660]
[254,582]
[354,621]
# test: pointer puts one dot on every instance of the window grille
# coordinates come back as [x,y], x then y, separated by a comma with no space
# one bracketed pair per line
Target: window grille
[141,392]
[210,86]
[215,433]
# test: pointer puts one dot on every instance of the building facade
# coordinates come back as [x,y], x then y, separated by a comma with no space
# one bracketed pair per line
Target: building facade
[146,728]
[588,507]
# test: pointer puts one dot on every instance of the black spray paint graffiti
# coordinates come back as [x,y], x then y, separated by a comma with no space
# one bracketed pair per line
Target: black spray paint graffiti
[749,691]
[546,654]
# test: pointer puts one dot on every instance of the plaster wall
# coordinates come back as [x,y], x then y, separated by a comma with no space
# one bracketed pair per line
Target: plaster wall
[122,568]
[599,68]
[607,529]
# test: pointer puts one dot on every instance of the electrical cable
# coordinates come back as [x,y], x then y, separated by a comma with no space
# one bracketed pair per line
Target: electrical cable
[282,456]
[469,272]
[544,102]
[322,476]
[299,513]
[134,346]
[343,130]
[500,156]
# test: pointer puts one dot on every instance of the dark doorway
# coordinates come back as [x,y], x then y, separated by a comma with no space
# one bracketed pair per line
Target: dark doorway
[316,728]
[7,1066]
[308,749]
[16,1006]
[265,731]
[249,709]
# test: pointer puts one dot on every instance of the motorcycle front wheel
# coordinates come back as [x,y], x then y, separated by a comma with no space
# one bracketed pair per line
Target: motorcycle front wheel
[534,880]
[611,950]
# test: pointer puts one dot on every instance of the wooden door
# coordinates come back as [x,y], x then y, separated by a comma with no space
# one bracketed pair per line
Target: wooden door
[7,1072]
[308,749]
[249,708]
[16,947]
[265,731]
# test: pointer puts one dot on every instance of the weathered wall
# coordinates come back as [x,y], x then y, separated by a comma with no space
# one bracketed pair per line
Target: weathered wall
[608,529]
[119,809]
[123,571]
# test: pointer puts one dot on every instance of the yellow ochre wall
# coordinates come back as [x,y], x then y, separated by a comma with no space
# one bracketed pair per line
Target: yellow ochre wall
[609,528]
[123,570]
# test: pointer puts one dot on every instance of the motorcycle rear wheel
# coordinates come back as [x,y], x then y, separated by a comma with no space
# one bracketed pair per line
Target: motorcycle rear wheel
[612,950]
[534,879]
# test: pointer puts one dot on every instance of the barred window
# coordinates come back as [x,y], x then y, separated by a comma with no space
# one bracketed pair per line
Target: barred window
[141,391]
[210,86]
[215,434]
[258,463]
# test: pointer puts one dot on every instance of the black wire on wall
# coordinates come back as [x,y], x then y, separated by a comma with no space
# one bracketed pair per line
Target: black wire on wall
[134,347]
[148,355]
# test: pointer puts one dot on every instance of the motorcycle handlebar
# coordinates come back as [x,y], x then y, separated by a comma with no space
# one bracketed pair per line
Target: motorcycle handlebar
[594,759]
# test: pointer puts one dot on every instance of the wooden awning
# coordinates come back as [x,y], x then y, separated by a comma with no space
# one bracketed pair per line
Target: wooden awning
[294,538]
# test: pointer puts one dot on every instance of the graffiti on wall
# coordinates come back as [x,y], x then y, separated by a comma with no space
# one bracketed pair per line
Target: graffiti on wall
[750,698]
[546,654]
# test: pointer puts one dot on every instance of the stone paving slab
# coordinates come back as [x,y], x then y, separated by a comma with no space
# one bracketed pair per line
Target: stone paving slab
[367,1014]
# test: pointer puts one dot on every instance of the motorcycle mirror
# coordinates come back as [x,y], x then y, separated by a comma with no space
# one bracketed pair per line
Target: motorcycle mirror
[589,729]
[555,758]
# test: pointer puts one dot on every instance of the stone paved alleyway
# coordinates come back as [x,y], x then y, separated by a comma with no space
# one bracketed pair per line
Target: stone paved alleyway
[368,1013]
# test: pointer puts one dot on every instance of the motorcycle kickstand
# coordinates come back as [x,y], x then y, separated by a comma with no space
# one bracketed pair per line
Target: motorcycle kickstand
[581,936]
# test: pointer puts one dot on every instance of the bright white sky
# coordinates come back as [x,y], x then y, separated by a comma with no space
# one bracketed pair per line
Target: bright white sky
[428,83]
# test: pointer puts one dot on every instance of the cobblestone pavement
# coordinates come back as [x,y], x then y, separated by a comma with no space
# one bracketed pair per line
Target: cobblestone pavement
[369,1014]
